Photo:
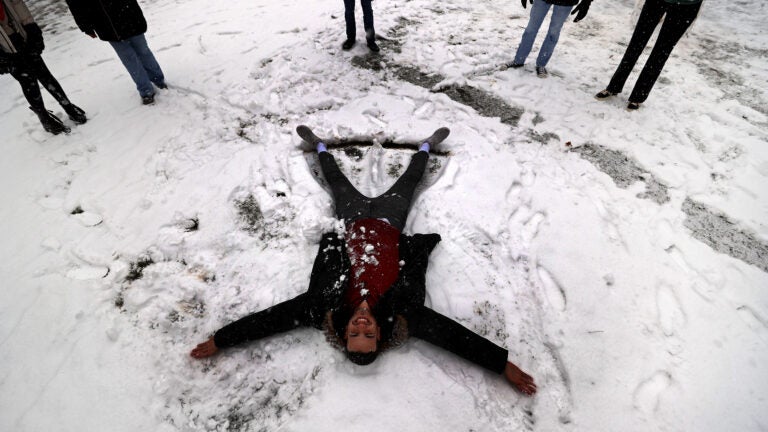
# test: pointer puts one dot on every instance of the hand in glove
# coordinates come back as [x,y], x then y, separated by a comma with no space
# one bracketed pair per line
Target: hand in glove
[524,2]
[581,10]
[17,40]
[35,44]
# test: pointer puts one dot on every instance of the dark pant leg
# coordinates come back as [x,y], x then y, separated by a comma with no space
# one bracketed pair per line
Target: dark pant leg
[349,202]
[28,82]
[677,21]
[650,16]
[394,204]
[367,18]
[49,82]
[349,17]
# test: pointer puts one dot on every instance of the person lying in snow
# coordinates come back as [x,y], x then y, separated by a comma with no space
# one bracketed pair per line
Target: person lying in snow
[367,286]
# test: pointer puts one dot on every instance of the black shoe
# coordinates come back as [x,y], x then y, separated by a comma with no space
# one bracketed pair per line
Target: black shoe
[541,72]
[348,44]
[309,137]
[372,45]
[604,94]
[161,85]
[50,122]
[148,100]
[514,65]
[633,106]
[75,114]
[436,138]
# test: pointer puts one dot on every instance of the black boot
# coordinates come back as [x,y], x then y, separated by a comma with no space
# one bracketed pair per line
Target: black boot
[310,140]
[50,122]
[348,44]
[370,39]
[75,114]
[372,45]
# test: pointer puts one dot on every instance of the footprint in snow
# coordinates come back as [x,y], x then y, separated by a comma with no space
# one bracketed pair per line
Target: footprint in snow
[552,290]
[647,393]
[88,219]
[88,273]
[671,314]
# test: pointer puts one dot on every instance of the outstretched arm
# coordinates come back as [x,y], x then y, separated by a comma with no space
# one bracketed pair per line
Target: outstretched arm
[446,333]
[276,319]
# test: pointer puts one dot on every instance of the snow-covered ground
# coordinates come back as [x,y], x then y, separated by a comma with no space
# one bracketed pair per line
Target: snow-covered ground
[135,237]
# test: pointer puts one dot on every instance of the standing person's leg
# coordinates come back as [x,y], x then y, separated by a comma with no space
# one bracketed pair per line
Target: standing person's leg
[147,59]
[677,21]
[350,204]
[39,68]
[370,33]
[559,15]
[28,82]
[46,78]
[367,18]
[650,16]
[132,63]
[539,11]
[394,204]
[349,18]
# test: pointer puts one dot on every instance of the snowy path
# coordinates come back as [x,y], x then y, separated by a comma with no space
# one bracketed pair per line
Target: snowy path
[146,229]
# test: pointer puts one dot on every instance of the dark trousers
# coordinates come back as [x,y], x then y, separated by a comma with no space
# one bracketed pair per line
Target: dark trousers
[349,16]
[392,205]
[31,70]
[678,19]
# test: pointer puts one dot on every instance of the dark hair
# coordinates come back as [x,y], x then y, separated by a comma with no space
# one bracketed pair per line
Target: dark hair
[360,358]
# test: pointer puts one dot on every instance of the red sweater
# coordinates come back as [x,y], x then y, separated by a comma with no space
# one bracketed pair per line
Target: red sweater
[372,246]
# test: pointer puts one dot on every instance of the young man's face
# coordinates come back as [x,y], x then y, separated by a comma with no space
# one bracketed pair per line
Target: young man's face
[363,332]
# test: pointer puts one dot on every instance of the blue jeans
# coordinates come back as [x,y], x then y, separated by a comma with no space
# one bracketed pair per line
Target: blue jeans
[539,10]
[141,64]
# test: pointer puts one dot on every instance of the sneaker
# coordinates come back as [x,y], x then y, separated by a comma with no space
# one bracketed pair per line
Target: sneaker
[309,138]
[436,138]
[604,94]
[514,65]
[541,72]
[372,45]
[348,44]
[75,114]
[148,100]
[50,122]
[633,106]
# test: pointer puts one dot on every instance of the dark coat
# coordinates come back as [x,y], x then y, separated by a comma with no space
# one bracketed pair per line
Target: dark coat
[111,20]
[20,36]
[405,298]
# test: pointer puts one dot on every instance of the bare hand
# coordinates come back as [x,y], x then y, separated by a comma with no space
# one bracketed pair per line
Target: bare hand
[205,349]
[521,380]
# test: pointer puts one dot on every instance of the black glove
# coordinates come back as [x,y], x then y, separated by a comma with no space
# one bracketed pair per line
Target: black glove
[581,10]
[35,44]
[526,1]
[18,41]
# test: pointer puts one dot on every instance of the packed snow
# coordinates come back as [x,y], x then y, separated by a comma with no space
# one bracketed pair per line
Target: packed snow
[135,237]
